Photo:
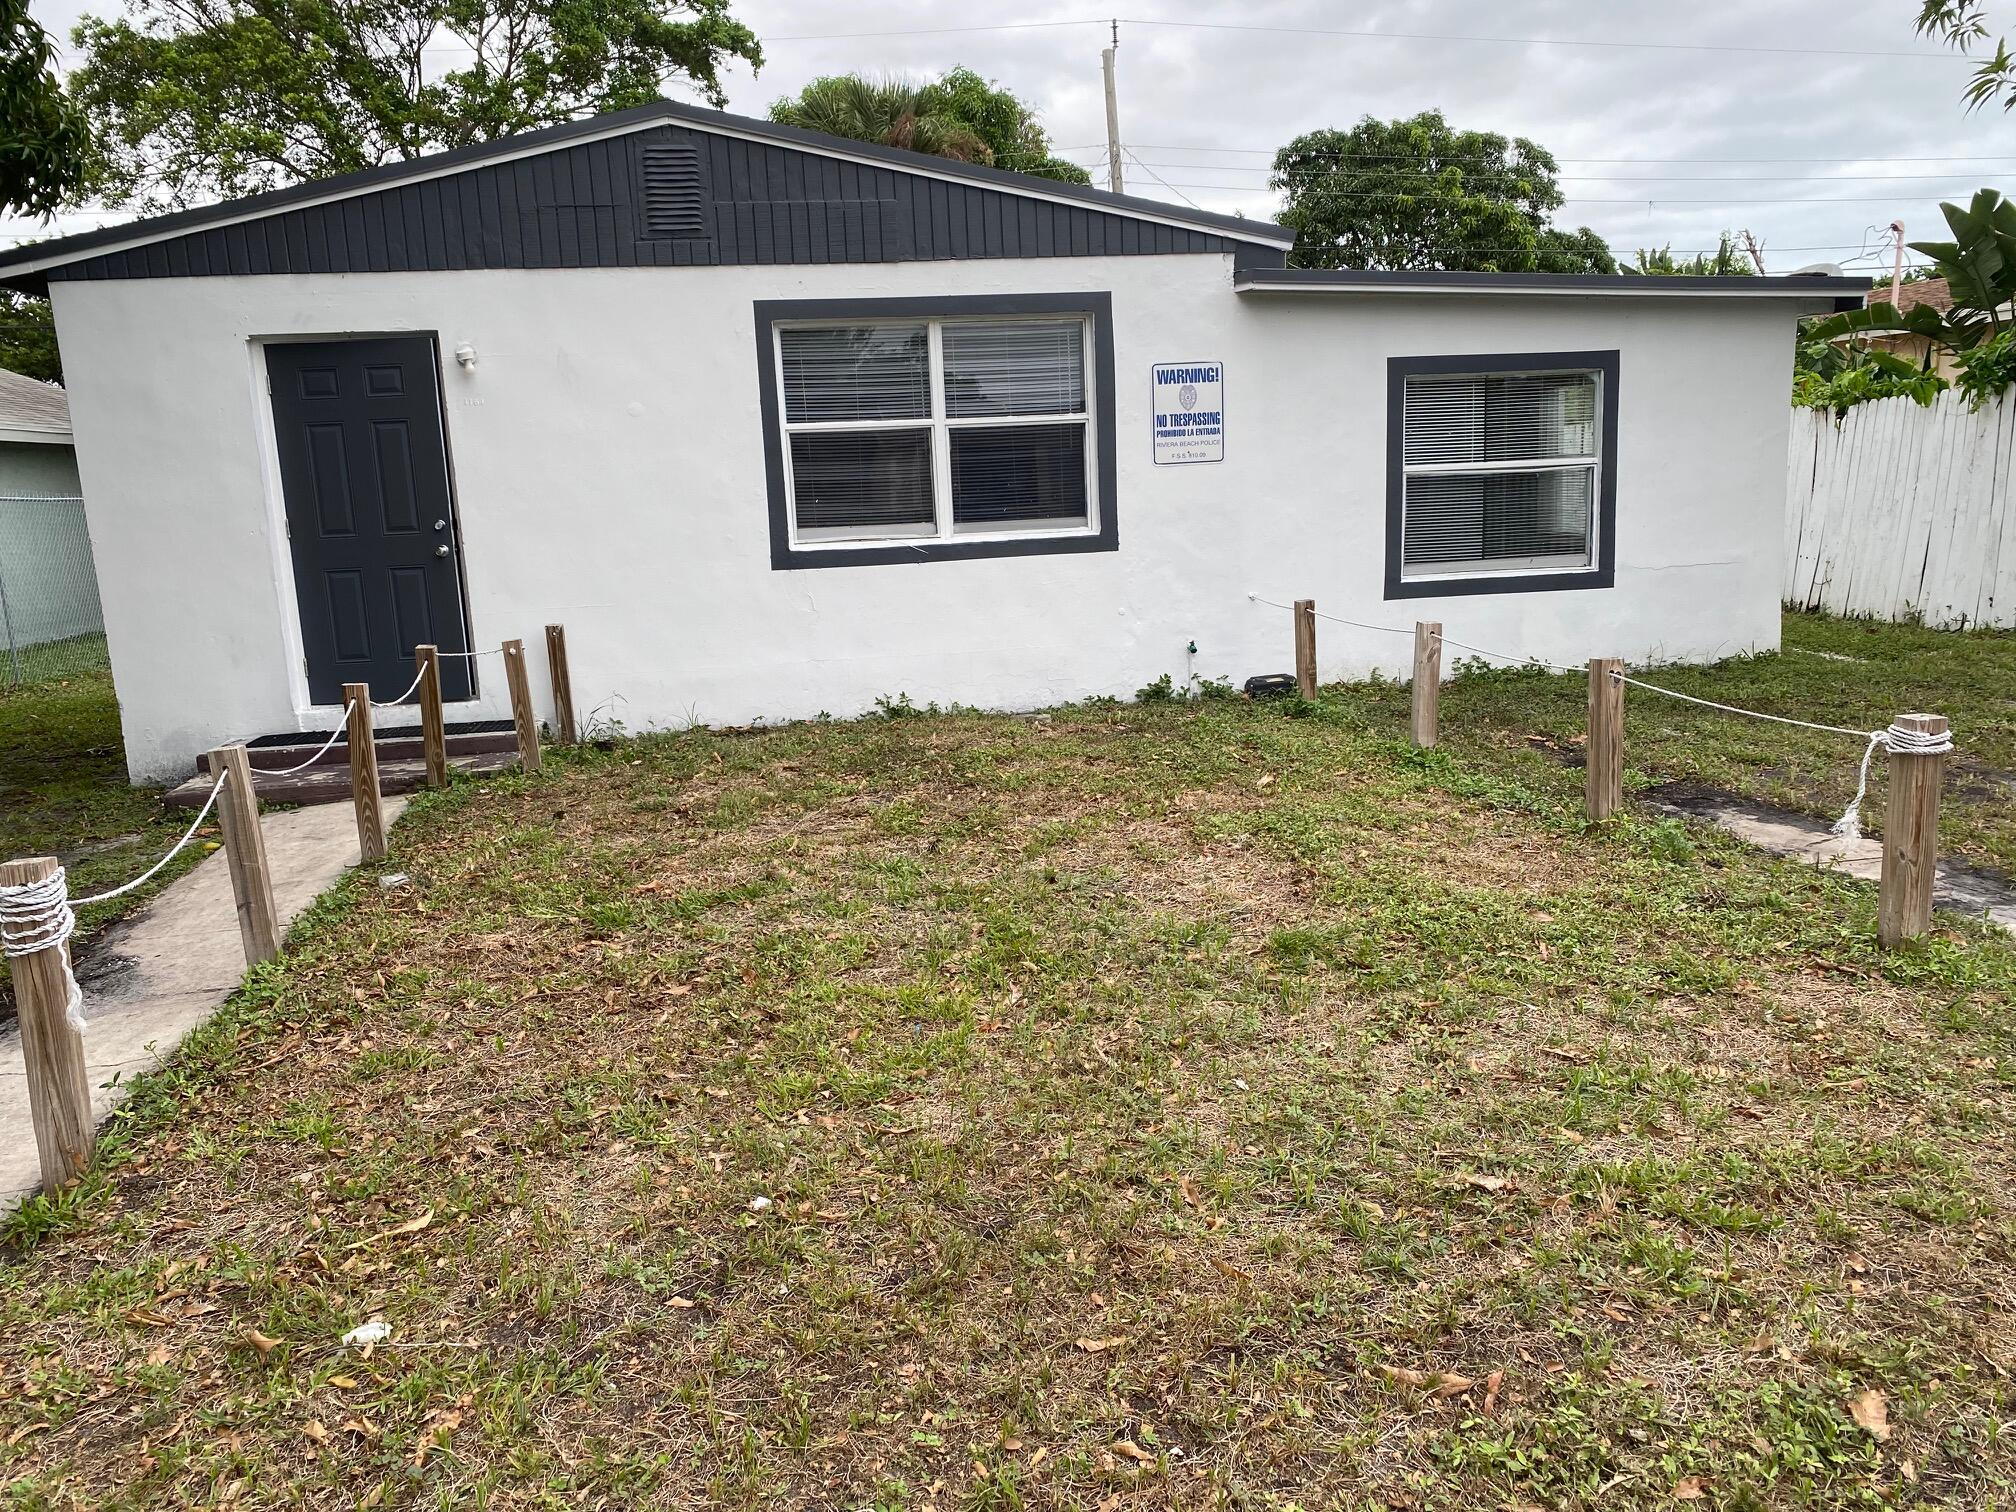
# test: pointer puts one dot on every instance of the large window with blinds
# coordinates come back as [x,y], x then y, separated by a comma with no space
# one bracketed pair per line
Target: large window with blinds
[972,427]
[1501,473]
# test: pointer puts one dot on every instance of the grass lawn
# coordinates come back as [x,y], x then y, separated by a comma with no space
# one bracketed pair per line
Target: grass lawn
[1149,1105]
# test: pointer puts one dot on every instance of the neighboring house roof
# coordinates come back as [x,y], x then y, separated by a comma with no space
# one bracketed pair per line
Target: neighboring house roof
[1820,291]
[1924,291]
[660,184]
[33,411]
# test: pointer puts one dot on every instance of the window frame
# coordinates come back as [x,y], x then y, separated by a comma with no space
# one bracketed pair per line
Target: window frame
[1100,533]
[1519,577]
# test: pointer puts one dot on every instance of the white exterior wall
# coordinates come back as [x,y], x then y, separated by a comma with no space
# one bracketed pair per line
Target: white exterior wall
[609,470]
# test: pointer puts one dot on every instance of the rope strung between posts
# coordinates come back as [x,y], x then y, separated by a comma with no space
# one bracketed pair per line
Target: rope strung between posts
[1504,656]
[187,835]
[342,729]
[493,651]
[411,688]
[1849,826]
[1709,703]
[36,916]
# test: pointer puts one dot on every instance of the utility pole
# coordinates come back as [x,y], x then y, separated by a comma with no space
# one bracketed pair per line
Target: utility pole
[1897,263]
[1113,177]
[1756,252]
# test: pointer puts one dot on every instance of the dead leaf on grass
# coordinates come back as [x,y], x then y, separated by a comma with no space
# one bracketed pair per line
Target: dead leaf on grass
[313,1429]
[1441,1384]
[1483,1183]
[260,1342]
[1100,1346]
[1871,1411]
[1192,1194]
[1133,1451]
[1229,1271]
[1492,1383]
[1694,1488]
[410,1226]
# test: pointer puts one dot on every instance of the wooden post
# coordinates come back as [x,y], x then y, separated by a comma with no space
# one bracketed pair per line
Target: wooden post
[521,706]
[1305,647]
[433,731]
[563,684]
[1910,836]
[1427,682]
[364,773]
[1604,787]
[245,854]
[59,1088]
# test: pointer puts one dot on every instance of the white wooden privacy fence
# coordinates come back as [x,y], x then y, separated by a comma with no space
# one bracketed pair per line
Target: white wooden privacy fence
[1901,510]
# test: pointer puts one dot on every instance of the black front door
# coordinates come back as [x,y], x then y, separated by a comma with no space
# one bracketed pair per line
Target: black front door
[370,518]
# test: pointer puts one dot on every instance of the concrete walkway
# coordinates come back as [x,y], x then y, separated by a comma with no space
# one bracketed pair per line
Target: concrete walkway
[158,973]
[1954,885]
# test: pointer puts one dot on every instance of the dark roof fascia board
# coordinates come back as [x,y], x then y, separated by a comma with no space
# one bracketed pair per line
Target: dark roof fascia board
[40,256]
[1812,287]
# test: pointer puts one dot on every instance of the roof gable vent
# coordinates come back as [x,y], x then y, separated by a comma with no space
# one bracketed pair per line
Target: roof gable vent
[673,190]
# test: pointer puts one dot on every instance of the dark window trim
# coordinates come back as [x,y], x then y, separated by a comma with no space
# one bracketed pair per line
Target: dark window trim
[1602,575]
[785,557]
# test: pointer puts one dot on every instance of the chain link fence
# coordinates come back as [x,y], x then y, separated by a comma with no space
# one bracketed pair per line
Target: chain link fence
[51,624]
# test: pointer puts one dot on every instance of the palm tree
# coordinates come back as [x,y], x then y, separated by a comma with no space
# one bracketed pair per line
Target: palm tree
[891,111]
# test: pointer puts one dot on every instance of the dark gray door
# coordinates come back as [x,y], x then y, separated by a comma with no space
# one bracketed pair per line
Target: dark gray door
[370,517]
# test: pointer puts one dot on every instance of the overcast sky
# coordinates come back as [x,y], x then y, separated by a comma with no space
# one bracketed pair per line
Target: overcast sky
[1813,123]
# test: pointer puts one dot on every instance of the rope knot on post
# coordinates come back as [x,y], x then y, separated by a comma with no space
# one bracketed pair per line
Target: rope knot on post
[1899,740]
[36,916]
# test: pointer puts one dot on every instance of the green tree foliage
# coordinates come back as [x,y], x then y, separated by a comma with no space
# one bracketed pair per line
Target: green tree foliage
[200,98]
[1416,193]
[1008,126]
[44,140]
[28,337]
[1837,376]
[1987,370]
[960,116]
[1959,23]
[1979,266]
[1726,261]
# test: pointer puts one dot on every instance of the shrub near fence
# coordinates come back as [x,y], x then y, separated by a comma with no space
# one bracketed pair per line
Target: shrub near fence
[1902,511]
[51,624]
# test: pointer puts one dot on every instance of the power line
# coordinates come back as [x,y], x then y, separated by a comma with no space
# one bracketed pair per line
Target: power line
[935,31]
[1376,36]
[1492,171]
[1159,179]
[1714,47]
[1591,199]
[1558,157]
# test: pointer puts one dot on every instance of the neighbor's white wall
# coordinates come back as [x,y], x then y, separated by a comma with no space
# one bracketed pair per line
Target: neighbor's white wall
[609,470]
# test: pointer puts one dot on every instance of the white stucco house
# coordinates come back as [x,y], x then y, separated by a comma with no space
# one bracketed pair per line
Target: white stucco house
[777,424]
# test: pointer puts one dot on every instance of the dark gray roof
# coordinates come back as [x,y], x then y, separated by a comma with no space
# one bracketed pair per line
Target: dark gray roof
[491,205]
[1822,290]
[28,404]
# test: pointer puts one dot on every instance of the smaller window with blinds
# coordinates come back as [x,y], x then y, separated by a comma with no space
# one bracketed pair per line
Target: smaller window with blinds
[1500,473]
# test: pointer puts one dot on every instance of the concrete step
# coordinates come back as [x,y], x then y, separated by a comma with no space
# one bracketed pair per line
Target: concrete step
[330,783]
[396,744]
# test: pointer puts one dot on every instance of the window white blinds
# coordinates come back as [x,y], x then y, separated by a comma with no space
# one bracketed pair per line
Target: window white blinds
[853,373]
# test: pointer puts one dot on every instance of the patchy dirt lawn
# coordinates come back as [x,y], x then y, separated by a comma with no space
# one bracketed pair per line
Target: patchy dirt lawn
[1139,1107]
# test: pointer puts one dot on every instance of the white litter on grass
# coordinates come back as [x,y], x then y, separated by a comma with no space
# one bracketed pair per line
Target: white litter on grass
[377,1331]
[394,879]
[759,1204]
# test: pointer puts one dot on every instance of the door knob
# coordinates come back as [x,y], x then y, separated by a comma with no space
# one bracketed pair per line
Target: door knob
[441,550]
[440,524]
